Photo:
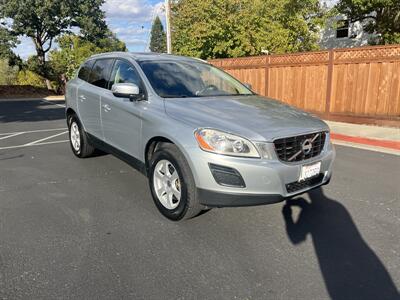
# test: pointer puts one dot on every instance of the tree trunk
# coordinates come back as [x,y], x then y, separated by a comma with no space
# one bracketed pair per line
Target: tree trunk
[41,54]
[49,86]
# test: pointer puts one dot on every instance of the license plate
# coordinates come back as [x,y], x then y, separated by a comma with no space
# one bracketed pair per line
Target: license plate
[310,171]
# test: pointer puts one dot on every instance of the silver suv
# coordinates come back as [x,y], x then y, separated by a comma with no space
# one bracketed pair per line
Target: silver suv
[203,138]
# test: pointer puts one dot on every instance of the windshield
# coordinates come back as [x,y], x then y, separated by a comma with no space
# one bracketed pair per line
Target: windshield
[176,79]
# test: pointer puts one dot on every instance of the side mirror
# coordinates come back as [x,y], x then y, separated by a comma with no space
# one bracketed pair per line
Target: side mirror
[126,90]
[248,85]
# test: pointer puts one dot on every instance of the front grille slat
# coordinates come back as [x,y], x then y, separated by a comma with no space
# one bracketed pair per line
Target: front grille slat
[286,148]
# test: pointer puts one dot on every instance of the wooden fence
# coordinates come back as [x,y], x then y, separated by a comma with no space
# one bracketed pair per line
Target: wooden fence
[360,85]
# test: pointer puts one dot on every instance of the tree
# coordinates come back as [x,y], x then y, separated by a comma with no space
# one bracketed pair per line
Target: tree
[109,43]
[233,28]
[44,20]
[158,40]
[380,17]
[7,42]
[74,50]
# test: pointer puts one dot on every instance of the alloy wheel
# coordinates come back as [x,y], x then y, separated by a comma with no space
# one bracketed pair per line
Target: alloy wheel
[167,184]
[75,137]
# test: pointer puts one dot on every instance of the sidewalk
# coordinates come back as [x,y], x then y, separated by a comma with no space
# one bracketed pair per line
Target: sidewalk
[383,139]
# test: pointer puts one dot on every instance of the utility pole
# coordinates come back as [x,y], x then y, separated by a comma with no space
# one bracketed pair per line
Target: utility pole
[168,24]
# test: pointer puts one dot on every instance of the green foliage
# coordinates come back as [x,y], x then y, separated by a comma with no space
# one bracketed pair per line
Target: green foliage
[91,20]
[381,17]
[34,64]
[109,43]
[158,41]
[7,42]
[8,74]
[73,50]
[26,77]
[44,20]
[233,28]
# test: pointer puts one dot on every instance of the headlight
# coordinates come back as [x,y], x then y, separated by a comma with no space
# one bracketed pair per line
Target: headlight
[216,141]
[265,150]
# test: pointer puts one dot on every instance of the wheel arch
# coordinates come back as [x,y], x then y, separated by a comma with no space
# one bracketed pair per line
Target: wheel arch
[151,147]
[70,112]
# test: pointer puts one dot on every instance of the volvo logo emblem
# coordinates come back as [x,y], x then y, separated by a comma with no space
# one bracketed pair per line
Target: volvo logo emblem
[306,146]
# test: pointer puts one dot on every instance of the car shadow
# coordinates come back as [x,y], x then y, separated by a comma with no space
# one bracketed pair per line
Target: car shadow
[350,268]
[30,111]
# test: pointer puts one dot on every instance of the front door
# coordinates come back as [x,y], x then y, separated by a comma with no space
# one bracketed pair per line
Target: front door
[121,118]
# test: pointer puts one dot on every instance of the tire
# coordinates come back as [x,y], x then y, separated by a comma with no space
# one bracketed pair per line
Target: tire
[187,206]
[78,139]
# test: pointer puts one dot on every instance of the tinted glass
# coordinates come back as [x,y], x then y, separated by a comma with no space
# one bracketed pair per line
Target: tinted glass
[124,72]
[84,71]
[342,29]
[175,79]
[100,74]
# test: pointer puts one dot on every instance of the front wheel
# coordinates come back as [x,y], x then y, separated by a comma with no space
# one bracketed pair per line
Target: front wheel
[172,185]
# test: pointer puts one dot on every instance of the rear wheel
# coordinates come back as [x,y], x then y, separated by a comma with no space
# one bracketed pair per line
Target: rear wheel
[79,142]
[172,185]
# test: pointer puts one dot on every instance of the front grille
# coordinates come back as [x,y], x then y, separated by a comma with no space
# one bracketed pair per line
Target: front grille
[299,148]
[297,186]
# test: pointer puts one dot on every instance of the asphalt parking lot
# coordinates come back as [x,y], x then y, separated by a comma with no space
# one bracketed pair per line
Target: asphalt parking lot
[88,229]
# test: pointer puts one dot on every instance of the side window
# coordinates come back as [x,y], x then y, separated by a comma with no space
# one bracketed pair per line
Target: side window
[342,30]
[84,71]
[100,74]
[124,72]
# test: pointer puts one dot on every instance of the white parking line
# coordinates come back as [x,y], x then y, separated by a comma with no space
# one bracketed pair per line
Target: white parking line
[60,105]
[45,139]
[38,144]
[10,136]
[33,131]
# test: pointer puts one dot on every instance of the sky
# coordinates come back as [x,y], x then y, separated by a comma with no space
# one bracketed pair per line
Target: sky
[129,19]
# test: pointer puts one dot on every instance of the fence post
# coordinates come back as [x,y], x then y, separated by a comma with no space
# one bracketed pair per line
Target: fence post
[329,82]
[266,91]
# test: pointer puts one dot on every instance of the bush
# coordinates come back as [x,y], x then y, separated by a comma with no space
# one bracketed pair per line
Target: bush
[8,74]
[30,78]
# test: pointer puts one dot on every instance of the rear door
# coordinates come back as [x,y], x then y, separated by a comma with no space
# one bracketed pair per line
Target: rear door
[121,118]
[71,93]
[89,95]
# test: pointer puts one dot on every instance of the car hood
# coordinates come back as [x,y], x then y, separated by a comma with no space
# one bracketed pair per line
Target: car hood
[254,117]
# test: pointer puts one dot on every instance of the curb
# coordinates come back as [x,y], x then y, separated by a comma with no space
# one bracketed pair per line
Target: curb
[392,145]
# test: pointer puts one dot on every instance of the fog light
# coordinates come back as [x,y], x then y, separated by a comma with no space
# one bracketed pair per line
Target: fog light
[227,176]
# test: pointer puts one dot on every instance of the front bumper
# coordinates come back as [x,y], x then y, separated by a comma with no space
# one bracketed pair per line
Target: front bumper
[221,199]
[265,179]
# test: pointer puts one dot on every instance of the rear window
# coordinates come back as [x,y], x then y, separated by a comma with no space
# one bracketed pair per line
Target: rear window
[84,71]
[100,74]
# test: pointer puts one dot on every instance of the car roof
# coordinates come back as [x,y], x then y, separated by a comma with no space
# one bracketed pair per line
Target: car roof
[144,56]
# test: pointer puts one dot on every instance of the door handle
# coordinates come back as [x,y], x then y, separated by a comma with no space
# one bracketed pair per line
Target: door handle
[81,97]
[106,107]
